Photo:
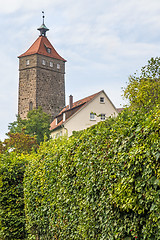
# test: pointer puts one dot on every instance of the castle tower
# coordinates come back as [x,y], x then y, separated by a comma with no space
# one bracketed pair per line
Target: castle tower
[41,77]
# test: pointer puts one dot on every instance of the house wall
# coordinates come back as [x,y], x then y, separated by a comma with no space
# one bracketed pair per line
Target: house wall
[59,132]
[81,120]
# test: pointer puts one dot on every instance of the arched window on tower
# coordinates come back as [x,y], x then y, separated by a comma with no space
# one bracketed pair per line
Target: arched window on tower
[30,106]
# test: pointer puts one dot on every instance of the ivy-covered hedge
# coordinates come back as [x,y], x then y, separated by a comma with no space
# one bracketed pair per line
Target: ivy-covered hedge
[12,215]
[102,183]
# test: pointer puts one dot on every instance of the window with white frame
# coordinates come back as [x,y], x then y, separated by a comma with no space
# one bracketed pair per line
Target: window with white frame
[103,116]
[58,66]
[92,116]
[27,62]
[43,62]
[101,99]
[51,64]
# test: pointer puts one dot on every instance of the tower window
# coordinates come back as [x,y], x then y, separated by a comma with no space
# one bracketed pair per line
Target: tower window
[27,62]
[58,66]
[43,62]
[30,106]
[51,64]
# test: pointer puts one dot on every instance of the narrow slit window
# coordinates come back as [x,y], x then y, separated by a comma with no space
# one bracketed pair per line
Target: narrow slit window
[30,106]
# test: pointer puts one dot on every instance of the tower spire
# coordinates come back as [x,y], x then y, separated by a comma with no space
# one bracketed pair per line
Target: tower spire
[43,17]
[43,29]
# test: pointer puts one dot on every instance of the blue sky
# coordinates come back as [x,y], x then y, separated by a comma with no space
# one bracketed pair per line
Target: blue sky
[103,41]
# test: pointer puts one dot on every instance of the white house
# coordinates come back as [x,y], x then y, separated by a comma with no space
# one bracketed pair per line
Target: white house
[82,114]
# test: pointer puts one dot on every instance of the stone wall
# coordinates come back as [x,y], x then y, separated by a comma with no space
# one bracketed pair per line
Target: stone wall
[27,84]
[41,83]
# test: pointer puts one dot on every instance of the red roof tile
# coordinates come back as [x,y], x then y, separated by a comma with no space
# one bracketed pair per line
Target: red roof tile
[78,104]
[40,47]
[53,125]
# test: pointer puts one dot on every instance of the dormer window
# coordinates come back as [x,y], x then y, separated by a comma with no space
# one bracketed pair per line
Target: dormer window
[27,62]
[48,50]
[43,62]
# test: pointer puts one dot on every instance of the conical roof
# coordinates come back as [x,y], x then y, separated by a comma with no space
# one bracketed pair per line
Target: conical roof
[41,46]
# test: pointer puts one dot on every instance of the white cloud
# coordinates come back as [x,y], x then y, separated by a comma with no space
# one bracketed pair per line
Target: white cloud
[104,41]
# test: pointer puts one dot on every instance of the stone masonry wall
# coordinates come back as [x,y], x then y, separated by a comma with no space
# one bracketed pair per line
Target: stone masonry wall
[50,85]
[41,83]
[27,85]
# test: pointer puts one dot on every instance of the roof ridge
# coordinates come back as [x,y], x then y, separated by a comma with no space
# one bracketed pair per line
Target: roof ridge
[81,101]
[40,37]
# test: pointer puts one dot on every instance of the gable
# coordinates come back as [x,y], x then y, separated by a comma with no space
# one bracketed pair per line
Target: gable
[81,119]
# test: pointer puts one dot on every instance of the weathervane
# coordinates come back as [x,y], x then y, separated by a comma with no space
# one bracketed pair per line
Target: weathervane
[43,16]
[43,29]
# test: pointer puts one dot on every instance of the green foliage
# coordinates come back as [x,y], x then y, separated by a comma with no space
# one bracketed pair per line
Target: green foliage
[143,91]
[18,142]
[17,126]
[12,216]
[103,183]
[37,124]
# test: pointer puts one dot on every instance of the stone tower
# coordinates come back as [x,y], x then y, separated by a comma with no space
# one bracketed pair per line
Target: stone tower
[41,77]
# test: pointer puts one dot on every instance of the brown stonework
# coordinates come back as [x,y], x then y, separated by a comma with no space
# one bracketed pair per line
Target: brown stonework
[41,83]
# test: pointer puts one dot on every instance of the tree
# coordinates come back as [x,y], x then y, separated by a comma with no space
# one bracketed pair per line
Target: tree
[143,90]
[18,142]
[37,124]
[17,126]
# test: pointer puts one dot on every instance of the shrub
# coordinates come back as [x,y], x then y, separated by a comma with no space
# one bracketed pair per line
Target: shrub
[103,183]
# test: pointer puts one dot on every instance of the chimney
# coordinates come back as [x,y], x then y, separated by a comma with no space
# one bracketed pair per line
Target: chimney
[70,101]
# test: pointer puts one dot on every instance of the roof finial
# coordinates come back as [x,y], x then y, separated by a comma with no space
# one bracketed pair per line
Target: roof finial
[43,16]
[43,29]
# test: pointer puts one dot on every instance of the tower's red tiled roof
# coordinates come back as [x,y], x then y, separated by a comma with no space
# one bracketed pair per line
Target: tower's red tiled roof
[40,47]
